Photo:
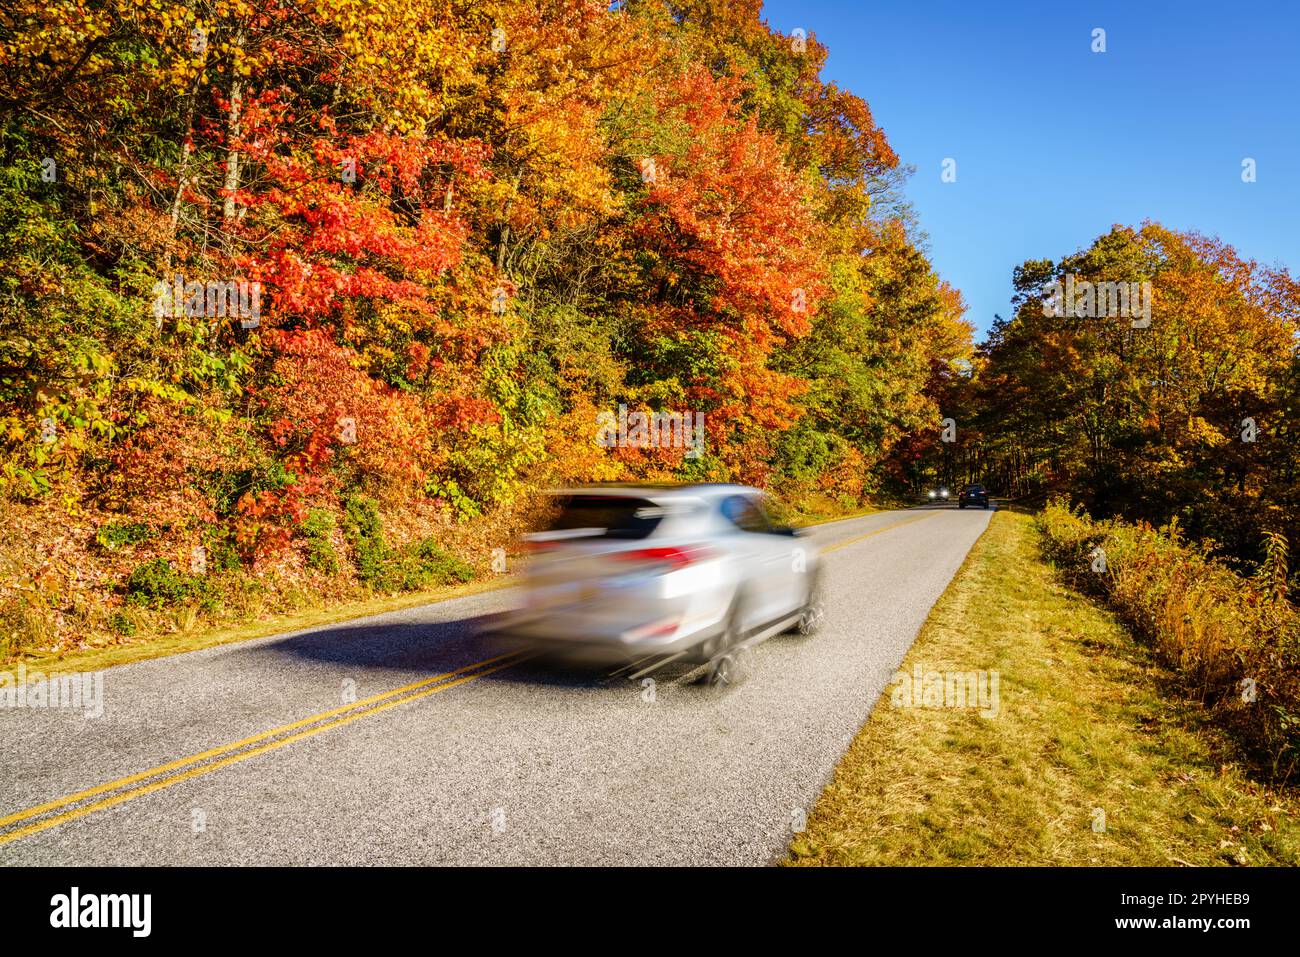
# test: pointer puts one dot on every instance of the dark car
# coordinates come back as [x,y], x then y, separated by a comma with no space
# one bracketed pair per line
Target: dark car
[973,495]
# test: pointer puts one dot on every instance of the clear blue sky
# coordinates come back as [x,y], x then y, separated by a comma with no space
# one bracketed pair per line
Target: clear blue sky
[1055,143]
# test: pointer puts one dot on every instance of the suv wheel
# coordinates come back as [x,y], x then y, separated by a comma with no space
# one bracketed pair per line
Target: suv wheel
[728,660]
[813,612]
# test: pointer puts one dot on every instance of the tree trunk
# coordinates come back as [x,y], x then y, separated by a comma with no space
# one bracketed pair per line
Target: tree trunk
[232,135]
[504,238]
[183,171]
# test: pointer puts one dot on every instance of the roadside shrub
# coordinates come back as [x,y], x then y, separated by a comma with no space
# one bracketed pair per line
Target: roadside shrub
[318,531]
[1234,641]
[421,565]
[223,555]
[364,531]
[114,535]
[425,565]
[157,584]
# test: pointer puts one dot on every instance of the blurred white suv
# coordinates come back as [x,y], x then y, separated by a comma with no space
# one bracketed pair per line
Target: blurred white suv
[690,571]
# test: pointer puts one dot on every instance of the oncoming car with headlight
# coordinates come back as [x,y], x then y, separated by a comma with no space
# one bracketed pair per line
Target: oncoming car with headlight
[690,571]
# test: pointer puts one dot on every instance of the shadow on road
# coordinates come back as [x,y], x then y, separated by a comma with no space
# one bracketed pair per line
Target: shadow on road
[425,649]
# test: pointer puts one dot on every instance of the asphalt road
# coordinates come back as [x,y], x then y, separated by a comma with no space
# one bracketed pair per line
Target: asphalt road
[524,764]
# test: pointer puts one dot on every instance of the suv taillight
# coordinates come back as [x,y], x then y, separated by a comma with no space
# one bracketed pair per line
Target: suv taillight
[674,557]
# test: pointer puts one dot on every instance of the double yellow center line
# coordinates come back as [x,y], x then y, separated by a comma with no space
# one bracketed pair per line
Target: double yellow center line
[878,531]
[53,813]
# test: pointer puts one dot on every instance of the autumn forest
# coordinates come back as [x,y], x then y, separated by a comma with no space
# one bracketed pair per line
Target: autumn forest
[307,299]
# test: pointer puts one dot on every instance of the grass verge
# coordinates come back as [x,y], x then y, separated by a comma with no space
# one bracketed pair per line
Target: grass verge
[1087,725]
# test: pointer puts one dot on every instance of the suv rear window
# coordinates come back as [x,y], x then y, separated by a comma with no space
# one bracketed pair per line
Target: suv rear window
[745,514]
[608,516]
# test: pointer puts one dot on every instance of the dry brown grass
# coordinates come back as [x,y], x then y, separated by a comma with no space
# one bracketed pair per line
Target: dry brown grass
[1234,642]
